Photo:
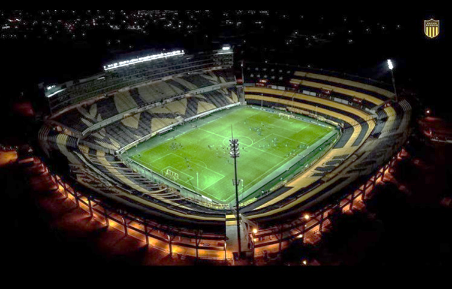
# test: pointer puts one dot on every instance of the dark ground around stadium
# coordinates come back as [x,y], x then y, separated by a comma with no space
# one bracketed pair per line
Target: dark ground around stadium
[407,230]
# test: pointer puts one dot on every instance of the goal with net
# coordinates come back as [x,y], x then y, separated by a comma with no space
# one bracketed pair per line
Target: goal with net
[169,173]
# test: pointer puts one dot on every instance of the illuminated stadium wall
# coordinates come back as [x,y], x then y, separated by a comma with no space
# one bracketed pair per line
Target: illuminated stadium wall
[94,122]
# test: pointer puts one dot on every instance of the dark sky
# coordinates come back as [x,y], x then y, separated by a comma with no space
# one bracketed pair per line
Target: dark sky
[422,64]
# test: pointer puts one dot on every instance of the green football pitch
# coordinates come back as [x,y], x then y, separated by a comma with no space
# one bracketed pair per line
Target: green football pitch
[199,157]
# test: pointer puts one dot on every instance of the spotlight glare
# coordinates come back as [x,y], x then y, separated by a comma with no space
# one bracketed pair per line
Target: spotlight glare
[390,64]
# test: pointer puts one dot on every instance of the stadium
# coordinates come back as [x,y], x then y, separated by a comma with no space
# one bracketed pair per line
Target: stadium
[200,155]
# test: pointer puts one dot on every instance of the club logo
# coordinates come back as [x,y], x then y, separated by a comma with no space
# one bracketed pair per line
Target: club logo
[431,28]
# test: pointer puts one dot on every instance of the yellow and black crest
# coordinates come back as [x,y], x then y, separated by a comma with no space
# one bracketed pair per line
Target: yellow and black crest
[431,28]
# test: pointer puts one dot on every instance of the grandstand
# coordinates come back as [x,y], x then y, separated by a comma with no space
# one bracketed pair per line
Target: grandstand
[98,123]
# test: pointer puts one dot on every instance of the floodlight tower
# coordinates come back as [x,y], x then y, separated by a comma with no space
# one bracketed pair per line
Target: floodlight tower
[242,65]
[391,67]
[235,154]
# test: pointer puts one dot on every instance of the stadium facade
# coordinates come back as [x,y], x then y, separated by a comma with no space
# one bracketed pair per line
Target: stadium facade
[93,122]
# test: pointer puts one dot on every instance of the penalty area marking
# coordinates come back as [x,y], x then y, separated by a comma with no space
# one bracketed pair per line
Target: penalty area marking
[176,172]
[219,176]
[291,139]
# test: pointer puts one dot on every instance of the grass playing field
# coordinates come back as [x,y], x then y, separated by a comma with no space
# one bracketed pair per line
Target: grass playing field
[199,158]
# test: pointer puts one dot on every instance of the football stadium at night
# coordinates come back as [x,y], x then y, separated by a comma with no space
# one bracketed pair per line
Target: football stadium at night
[210,154]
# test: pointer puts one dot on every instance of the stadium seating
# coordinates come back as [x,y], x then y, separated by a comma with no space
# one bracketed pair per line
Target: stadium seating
[347,86]
[387,128]
[84,116]
[371,133]
[133,128]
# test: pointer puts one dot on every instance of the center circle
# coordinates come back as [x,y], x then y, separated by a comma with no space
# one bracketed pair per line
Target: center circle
[244,140]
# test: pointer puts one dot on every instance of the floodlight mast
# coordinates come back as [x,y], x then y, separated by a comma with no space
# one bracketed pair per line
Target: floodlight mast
[235,153]
[243,73]
[391,67]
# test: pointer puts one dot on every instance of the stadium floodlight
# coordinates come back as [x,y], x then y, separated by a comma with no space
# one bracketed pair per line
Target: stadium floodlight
[227,49]
[390,64]
[55,93]
[235,150]
[206,198]
[391,67]
[143,59]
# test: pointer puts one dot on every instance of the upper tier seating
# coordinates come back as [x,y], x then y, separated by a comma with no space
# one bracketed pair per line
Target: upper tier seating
[84,116]
[348,85]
